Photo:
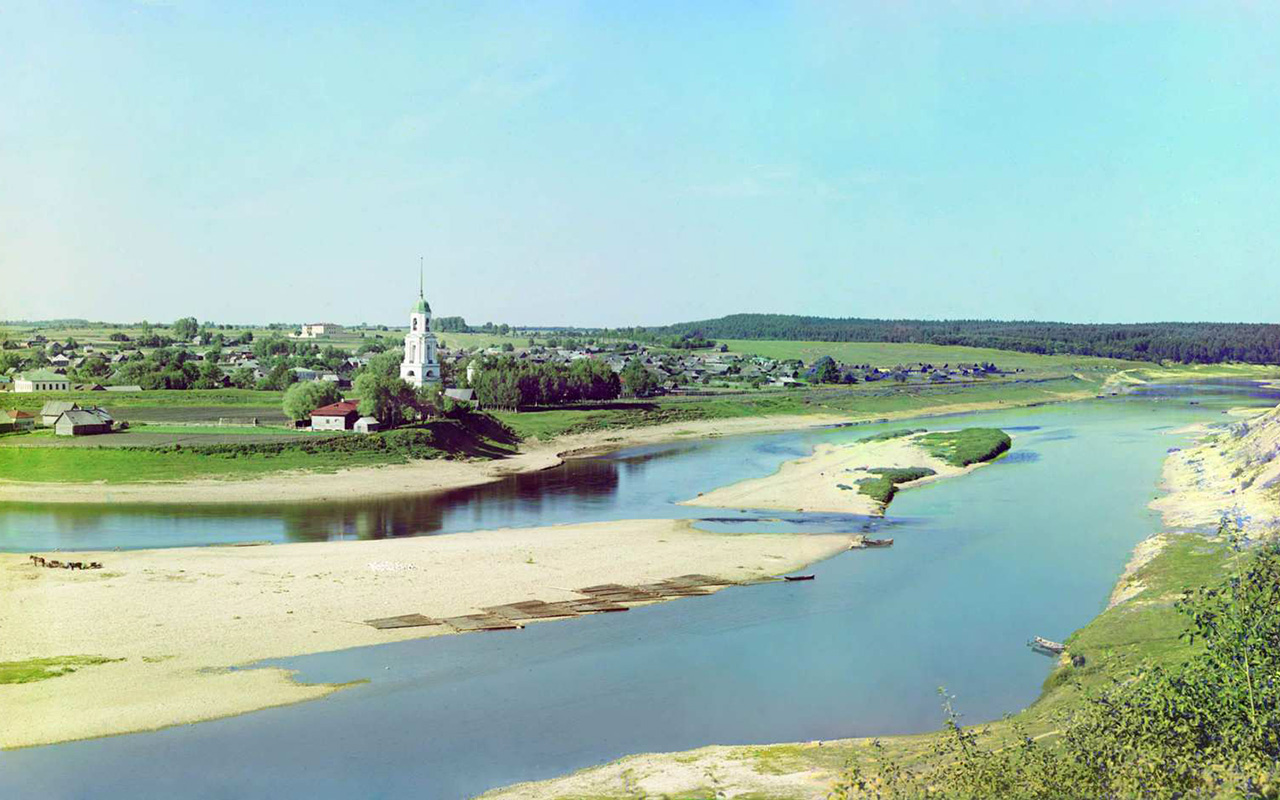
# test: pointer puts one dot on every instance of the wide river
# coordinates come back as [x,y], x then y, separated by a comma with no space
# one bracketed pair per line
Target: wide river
[1030,545]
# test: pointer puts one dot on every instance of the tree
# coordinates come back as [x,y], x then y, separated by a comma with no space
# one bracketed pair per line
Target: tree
[386,363]
[186,328]
[242,378]
[824,370]
[301,399]
[209,375]
[638,380]
[278,378]
[384,397]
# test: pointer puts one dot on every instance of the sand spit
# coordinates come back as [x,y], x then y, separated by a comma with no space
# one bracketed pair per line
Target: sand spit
[180,617]
[814,483]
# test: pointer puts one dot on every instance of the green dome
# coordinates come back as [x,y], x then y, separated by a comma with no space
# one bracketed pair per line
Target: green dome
[421,306]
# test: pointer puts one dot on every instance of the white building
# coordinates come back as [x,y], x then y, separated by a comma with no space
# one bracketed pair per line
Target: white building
[43,381]
[421,364]
[313,329]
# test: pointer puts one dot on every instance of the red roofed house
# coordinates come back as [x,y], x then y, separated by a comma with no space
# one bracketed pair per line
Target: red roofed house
[17,421]
[340,416]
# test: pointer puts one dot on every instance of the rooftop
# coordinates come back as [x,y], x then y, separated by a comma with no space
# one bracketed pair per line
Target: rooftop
[339,409]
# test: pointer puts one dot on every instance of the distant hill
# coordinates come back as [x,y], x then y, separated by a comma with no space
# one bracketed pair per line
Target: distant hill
[1184,342]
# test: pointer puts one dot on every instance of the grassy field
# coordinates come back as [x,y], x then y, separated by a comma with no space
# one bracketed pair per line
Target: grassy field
[890,354]
[230,399]
[860,401]
[245,458]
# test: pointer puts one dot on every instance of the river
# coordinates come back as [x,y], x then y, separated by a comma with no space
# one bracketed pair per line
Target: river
[1029,545]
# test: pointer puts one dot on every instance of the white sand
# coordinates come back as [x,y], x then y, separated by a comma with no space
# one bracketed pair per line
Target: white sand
[179,617]
[1236,471]
[813,483]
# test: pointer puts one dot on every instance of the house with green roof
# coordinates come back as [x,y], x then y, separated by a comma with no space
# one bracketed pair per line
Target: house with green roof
[41,380]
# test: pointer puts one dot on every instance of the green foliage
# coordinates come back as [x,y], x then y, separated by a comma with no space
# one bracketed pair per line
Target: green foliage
[302,398]
[186,328]
[278,378]
[824,370]
[886,435]
[967,446]
[1208,728]
[637,380]
[881,489]
[902,474]
[38,669]
[384,397]
[1185,342]
[885,485]
[508,383]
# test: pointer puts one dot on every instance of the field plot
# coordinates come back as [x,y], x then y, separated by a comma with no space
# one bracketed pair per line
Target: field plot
[887,354]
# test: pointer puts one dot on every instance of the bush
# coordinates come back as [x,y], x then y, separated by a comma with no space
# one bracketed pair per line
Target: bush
[968,446]
[902,474]
[885,485]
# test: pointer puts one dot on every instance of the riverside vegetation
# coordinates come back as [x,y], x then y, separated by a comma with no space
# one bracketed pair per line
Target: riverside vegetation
[1207,727]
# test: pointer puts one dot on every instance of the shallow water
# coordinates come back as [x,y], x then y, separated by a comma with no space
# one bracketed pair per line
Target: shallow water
[1030,545]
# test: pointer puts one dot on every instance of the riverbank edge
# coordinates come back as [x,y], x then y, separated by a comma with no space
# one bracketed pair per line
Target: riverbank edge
[809,769]
[149,689]
[435,475]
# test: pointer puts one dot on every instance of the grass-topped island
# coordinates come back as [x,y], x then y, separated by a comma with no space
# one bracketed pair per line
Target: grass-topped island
[862,477]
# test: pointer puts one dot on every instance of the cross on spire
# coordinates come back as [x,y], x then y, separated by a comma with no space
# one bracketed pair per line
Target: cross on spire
[420,277]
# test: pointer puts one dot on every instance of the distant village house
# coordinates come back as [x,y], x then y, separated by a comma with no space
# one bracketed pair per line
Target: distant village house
[340,416]
[81,422]
[14,420]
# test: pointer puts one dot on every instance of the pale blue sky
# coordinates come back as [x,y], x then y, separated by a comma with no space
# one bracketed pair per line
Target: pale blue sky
[616,163]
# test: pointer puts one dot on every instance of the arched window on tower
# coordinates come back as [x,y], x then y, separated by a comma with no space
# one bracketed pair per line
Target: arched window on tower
[415,323]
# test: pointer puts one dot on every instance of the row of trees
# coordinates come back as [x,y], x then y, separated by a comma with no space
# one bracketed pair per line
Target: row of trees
[1184,342]
[510,384]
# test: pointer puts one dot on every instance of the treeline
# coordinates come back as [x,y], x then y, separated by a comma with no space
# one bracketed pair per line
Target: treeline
[510,384]
[1183,342]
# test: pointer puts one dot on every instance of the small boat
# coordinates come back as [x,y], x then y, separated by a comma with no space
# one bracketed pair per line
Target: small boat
[797,577]
[867,542]
[1041,643]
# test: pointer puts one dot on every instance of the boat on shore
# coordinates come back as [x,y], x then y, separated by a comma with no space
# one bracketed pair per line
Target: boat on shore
[1046,645]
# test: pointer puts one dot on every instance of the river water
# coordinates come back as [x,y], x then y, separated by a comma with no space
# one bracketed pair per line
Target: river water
[1029,545]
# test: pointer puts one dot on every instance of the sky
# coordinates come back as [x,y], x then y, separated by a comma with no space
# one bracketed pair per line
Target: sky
[639,163]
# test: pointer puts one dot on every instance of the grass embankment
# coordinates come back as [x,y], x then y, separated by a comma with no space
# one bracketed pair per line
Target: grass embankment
[968,446]
[39,669]
[474,437]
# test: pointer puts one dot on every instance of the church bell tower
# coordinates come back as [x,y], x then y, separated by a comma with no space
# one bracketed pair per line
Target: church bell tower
[421,363]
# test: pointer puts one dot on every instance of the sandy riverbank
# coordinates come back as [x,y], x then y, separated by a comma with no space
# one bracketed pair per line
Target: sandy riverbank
[179,617]
[421,477]
[1234,470]
[417,477]
[813,483]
